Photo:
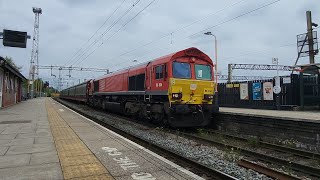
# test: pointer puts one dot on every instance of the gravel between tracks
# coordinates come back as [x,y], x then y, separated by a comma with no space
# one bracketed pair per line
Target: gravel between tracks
[208,155]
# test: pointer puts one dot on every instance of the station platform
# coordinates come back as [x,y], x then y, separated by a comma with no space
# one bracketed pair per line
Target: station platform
[277,114]
[42,139]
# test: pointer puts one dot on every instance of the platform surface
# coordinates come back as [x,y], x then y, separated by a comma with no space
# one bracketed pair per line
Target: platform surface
[294,115]
[41,139]
[27,149]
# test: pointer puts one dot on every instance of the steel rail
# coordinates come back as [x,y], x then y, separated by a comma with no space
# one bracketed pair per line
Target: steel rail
[294,151]
[265,170]
[271,159]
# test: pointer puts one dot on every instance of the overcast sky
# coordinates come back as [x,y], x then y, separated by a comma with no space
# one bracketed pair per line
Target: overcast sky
[67,25]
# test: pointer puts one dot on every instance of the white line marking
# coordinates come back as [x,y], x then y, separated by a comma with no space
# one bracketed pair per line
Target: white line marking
[61,110]
[191,174]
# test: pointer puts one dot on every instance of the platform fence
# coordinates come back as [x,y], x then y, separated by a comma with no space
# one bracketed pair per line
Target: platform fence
[259,94]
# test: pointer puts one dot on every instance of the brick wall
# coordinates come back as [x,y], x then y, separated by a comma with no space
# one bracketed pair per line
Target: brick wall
[11,90]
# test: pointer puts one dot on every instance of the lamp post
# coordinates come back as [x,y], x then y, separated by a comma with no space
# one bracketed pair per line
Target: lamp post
[216,64]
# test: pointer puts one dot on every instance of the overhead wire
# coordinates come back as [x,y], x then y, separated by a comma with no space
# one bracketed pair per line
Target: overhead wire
[230,20]
[184,27]
[117,31]
[118,7]
[104,33]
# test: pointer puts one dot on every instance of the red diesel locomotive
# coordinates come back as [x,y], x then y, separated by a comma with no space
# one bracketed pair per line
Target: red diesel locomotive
[177,89]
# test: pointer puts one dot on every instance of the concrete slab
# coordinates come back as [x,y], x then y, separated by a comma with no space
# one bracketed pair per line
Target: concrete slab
[41,140]
[43,171]
[78,124]
[3,126]
[10,130]
[84,129]
[17,142]
[44,158]
[14,160]
[8,136]
[3,142]
[92,136]
[3,150]
[31,135]
[43,132]
[26,130]
[26,135]
[31,148]
[43,126]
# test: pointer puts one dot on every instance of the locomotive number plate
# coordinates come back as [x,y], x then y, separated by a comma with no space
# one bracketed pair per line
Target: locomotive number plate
[193,87]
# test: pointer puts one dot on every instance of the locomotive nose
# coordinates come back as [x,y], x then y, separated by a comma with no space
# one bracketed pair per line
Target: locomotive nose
[191,91]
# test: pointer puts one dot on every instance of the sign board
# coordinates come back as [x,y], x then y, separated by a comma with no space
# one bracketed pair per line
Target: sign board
[268,91]
[302,42]
[277,80]
[14,38]
[244,95]
[229,85]
[286,80]
[277,89]
[256,91]
[236,85]
[274,60]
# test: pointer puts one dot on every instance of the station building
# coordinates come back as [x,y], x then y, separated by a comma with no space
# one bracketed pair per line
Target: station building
[10,84]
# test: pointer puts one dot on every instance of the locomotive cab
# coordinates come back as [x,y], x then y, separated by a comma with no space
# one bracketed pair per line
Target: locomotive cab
[191,83]
[191,91]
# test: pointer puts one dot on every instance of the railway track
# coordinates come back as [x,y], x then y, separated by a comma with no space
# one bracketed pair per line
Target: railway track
[208,172]
[265,170]
[308,170]
[200,169]
[294,151]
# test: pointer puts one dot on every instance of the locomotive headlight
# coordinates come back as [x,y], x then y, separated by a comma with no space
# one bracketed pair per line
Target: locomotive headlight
[176,95]
[208,97]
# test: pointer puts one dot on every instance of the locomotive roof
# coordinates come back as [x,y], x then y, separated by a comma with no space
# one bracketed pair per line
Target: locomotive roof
[192,52]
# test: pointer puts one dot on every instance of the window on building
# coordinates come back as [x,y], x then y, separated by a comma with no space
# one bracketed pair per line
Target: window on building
[159,72]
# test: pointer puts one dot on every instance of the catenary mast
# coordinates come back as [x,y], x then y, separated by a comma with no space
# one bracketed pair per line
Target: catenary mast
[34,61]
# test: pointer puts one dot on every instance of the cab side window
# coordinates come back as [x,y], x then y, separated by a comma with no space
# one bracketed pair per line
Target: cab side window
[159,72]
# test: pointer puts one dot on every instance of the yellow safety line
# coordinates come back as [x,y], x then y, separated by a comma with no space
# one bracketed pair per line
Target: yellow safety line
[76,160]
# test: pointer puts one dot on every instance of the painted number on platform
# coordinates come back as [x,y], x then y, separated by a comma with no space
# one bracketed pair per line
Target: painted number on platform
[126,163]
[142,176]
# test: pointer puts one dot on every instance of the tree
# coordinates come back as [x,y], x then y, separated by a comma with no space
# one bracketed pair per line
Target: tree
[10,61]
